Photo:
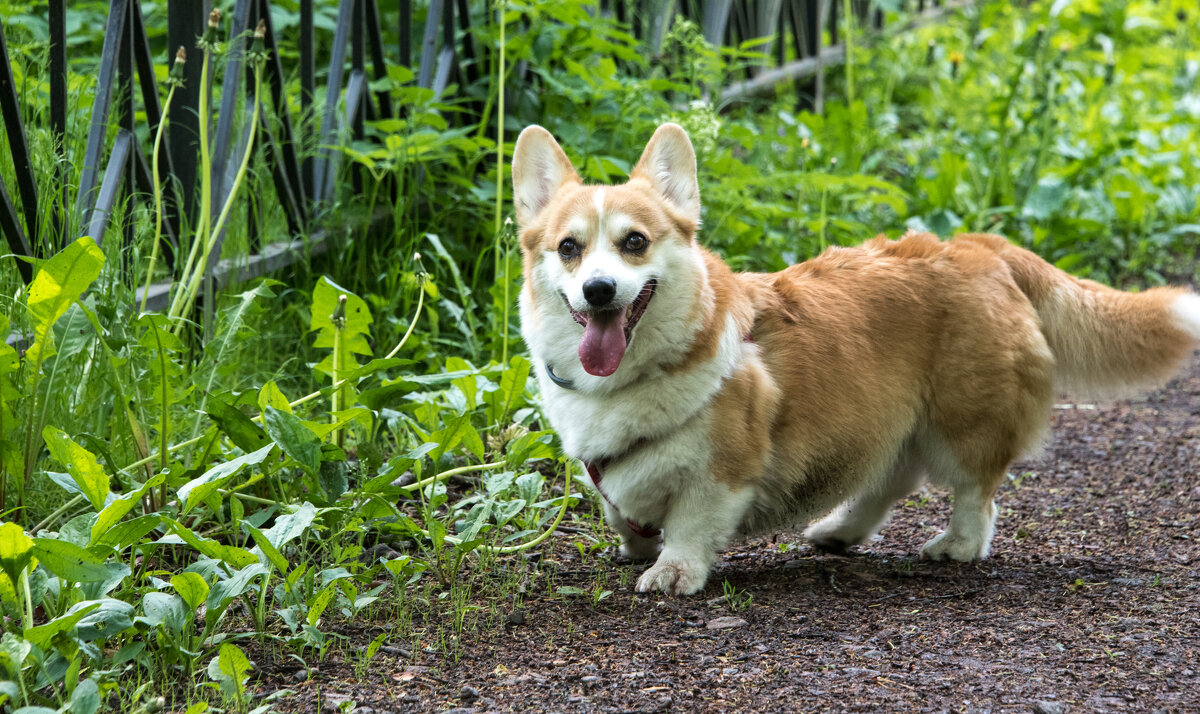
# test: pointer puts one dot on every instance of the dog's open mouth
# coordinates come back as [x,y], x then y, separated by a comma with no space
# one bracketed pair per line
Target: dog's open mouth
[606,333]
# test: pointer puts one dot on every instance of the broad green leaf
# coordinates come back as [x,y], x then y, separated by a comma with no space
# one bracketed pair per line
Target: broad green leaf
[234,556]
[9,691]
[134,651]
[111,617]
[270,395]
[78,530]
[357,315]
[59,283]
[118,508]
[71,334]
[269,551]
[43,635]
[81,465]
[1046,198]
[198,489]
[224,591]
[296,439]
[16,549]
[319,602]
[476,519]
[292,525]
[510,395]
[341,417]
[191,587]
[391,391]
[234,664]
[126,533]
[13,651]
[451,435]
[530,485]
[86,698]
[529,447]
[164,609]
[158,334]
[69,562]
[472,440]
[506,510]
[236,425]
[333,479]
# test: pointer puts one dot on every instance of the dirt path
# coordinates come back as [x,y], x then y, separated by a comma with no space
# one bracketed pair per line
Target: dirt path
[1090,602]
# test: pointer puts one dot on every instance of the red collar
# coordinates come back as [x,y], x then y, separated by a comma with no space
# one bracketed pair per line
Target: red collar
[645,530]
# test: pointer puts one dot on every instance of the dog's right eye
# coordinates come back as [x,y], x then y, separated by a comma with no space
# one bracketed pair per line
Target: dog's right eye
[568,248]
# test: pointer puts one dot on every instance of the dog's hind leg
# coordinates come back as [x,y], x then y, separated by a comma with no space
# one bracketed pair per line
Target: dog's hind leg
[974,482]
[862,515]
[972,523]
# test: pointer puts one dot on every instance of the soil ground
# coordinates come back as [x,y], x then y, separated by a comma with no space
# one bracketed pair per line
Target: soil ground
[1090,601]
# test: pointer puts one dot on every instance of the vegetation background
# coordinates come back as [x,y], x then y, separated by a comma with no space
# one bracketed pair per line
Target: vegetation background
[358,439]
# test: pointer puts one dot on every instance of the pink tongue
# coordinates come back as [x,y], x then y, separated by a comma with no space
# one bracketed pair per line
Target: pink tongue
[603,343]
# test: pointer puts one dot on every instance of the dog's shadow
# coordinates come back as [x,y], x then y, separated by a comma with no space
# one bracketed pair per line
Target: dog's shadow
[866,575]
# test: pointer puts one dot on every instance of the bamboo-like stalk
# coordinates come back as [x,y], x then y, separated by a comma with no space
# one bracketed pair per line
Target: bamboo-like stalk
[209,44]
[176,79]
[197,275]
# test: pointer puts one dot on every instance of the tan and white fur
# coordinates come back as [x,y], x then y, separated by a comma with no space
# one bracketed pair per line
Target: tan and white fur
[741,403]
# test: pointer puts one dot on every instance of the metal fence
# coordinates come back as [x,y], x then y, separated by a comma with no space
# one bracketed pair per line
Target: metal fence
[110,172]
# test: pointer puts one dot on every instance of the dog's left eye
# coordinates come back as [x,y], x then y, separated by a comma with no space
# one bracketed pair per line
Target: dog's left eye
[634,243]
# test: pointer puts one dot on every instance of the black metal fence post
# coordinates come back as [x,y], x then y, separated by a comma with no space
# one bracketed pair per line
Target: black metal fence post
[186,20]
[58,117]
[18,237]
[307,83]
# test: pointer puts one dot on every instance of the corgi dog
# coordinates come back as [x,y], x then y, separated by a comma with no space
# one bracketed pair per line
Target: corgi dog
[708,404]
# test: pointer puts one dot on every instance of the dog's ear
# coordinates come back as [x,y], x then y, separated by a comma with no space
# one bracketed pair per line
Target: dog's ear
[539,168]
[669,163]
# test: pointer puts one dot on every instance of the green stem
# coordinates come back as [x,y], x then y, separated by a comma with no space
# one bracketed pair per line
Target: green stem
[500,126]
[164,423]
[205,185]
[452,472]
[336,403]
[197,276]
[158,212]
[500,176]
[848,12]
[49,520]
[27,611]
[507,302]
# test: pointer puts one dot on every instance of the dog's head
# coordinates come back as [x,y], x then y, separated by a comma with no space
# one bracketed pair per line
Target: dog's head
[604,249]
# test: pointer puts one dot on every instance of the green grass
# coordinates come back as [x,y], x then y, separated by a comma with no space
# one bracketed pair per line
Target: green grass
[292,459]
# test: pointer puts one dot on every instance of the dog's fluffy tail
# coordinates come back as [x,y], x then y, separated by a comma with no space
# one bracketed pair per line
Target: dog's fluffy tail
[1105,342]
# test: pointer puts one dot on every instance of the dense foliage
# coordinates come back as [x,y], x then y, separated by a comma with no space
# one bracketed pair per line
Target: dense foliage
[350,437]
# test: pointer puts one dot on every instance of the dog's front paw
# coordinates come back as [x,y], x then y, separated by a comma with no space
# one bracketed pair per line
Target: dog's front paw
[948,546]
[675,577]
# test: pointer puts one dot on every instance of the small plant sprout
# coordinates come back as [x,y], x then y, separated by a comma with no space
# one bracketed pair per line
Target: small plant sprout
[736,600]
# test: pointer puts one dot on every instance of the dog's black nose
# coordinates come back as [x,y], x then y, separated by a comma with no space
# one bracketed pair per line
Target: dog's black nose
[599,291]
